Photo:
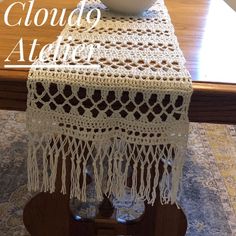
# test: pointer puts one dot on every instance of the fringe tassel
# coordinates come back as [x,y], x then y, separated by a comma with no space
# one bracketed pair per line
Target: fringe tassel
[110,162]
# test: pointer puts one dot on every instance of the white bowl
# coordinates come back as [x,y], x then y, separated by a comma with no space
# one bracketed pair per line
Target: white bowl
[129,6]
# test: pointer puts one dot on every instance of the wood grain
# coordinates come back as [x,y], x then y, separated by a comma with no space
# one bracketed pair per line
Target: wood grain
[214,98]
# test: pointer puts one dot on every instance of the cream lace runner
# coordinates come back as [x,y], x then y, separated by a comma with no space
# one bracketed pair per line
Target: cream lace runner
[123,119]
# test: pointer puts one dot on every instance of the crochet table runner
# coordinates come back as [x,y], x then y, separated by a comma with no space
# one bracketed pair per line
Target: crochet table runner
[121,120]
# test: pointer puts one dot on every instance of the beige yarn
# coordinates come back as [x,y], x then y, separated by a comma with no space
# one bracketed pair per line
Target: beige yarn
[133,111]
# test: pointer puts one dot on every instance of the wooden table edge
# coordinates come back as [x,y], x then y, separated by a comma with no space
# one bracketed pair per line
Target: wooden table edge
[211,102]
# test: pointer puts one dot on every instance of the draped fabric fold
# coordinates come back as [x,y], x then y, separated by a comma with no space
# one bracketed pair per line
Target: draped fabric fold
[121,120]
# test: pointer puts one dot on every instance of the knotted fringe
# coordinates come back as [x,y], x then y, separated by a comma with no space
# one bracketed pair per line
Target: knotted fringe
[115,164]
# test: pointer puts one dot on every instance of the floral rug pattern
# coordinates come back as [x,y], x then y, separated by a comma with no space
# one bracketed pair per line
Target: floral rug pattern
[209,183]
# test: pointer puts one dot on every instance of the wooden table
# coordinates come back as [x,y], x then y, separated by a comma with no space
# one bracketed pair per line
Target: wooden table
[206,32]
[207,36]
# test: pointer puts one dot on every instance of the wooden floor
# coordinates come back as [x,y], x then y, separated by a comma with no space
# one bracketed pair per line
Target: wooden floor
[206,32]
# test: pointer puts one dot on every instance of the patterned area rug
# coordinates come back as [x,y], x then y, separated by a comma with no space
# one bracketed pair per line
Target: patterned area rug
[209,187]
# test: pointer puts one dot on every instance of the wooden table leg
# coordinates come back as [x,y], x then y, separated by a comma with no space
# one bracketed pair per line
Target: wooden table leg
[47,215]
[50,215]
[159,220]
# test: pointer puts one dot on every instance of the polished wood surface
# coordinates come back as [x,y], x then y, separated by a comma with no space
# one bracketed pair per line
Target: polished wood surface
[207,36]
